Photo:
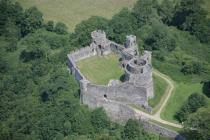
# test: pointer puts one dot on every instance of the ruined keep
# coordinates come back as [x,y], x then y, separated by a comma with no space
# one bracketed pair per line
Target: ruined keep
[136,88]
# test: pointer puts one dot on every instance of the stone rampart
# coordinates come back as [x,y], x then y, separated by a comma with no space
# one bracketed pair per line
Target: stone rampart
[117,112]
[123,92]
[82,53]
[121,112]
[161,130]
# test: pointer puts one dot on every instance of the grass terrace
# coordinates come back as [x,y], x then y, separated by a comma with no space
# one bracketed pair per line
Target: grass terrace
[100,70]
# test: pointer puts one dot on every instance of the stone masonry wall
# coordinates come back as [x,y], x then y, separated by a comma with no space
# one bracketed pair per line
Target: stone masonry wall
[123,92]
[119,112]
[161,130]
[82,53]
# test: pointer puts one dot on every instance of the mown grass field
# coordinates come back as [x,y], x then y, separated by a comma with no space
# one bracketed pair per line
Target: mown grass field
[100,70]
[72,12]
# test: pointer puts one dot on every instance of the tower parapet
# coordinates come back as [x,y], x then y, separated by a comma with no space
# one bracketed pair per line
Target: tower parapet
[130,48]
[138,72]
[130,41]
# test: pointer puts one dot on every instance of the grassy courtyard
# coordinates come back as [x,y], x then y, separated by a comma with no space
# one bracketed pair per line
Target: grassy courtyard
[72,12]
[100,70]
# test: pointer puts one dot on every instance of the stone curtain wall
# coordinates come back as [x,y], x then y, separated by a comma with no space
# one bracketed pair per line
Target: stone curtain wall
[161,130]
[82,53]
[77,55]
[116,48]
[74,70]
[123,92]
[119,112]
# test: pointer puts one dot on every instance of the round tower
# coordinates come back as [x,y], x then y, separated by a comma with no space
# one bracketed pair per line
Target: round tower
[138,71]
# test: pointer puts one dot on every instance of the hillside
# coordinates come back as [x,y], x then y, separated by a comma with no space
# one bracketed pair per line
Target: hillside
[72,12]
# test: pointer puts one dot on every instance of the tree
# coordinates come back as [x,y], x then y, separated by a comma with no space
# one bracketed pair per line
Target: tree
[131,129]
[12,34]
[160,39]
[144,11]
[191,16]
[28,55]
[192,67]
[9,13]
[4,66]
[84,29]
[166,11]
[122,24]
[31,21]
[81,119]
[50,26]
[99,119]
[194,102]
[60,28]
[197,126]
[134,131]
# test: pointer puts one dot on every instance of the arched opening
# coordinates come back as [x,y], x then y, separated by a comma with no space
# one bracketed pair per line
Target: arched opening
[135,52]
[135,62]
[105,96]
[142,70]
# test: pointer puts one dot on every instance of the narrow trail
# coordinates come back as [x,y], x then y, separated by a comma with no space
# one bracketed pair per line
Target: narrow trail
[168,93]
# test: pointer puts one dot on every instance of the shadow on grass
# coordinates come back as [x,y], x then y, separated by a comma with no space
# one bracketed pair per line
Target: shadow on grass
[206,88]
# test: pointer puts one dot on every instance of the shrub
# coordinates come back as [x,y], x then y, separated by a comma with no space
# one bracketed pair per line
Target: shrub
[194,102]
[60,28]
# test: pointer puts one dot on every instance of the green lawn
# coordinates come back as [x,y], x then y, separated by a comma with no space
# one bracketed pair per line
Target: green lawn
[72,12]
[180,95]
[100,70]
[160,86]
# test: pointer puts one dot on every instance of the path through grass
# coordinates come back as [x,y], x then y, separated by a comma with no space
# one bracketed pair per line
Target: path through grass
[180,95]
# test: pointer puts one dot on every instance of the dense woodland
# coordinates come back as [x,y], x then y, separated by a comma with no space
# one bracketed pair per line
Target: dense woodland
[39,99]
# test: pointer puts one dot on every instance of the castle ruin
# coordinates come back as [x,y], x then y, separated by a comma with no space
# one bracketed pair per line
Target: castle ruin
[136,88]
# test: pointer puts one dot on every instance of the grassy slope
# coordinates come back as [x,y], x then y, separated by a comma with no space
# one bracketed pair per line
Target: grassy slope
[101,69]
[187,47]
[180,95]
[159,88]
[72,12]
